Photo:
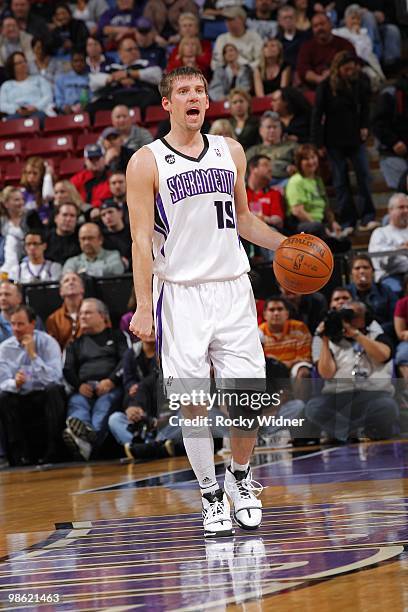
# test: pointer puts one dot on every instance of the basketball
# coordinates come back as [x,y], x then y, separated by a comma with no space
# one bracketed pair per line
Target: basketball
[303,264]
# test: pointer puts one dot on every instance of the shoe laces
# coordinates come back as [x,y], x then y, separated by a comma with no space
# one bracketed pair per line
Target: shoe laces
[214,509]
[248,488]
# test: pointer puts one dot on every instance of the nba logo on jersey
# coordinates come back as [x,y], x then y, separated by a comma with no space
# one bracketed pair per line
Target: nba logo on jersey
[217,152]
[170,159]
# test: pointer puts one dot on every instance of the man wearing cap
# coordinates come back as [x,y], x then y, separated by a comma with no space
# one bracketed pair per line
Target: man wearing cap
[116,234]
[248,42]
[92,183]
[149,49]
[94,259]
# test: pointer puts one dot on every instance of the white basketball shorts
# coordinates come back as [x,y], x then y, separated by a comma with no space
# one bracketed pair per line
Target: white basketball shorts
[208,323]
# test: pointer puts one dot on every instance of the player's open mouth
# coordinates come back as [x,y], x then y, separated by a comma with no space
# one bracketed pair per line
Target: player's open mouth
[193,112]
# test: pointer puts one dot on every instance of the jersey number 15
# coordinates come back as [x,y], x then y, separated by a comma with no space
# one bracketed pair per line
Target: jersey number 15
[225,214]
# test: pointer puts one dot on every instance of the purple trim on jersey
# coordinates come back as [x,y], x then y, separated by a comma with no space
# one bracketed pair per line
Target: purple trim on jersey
[162,212]
[159,323]
[160,230]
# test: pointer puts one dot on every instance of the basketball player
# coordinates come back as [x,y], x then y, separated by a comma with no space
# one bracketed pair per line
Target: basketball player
[186,193]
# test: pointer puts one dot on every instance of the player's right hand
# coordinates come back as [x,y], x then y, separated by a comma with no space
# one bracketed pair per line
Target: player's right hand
[141,324]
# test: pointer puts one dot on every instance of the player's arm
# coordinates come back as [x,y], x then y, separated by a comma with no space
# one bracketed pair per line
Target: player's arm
[141,180]
[250,227]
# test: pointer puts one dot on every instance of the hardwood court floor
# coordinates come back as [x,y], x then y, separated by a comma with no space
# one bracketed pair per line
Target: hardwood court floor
[333,536]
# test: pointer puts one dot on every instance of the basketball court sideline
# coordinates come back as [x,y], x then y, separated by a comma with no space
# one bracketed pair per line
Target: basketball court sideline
[129,537]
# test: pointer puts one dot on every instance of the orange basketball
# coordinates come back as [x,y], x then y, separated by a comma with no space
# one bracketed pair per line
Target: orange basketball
[303,264]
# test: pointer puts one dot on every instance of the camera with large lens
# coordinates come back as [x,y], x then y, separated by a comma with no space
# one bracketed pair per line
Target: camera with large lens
[143,429]
[333,323]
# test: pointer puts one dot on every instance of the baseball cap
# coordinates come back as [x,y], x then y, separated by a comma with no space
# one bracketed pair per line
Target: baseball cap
[109,204]
[91,151]
[234,11]
[108,132]
[144,25]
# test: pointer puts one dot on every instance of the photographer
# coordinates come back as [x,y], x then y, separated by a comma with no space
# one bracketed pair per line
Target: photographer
[354,360]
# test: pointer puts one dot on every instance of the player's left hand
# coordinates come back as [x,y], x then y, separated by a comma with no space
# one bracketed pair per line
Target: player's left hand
[141,324]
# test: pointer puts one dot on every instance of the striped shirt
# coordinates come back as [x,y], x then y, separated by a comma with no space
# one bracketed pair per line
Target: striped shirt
[292,344]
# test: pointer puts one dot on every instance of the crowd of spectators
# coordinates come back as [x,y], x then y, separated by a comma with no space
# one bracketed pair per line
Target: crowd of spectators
[330,76]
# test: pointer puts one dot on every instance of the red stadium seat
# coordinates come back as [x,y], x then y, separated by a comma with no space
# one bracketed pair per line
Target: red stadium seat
[11,149]
[218,110]
[83,140]
[135,114]
[260,105]
[69,167]
[54,147]
[155,114]
[310,96]
[67,124]
[12,173]
[23,128]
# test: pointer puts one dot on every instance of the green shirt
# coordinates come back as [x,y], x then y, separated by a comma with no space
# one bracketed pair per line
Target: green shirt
[106,263]
[309,192]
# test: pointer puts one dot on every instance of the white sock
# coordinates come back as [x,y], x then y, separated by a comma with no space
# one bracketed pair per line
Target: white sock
[240,467]
[199,445]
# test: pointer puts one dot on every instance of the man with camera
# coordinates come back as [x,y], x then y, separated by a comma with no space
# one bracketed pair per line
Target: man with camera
[353,358]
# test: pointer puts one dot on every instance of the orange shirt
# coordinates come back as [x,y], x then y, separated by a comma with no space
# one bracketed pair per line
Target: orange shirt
[62,327]
[293,344]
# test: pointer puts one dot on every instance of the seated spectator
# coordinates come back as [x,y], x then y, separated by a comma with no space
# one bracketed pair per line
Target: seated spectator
[138,362]
[12,39]
[264,202]
[11,297]
[62,239]
[357,373]
[281,153]
[401,331]
[42,63]
[92,182]
[392,237]
[303,14]
[189,25]
[222,127]
[343,135]
[362,43]
[390,127]
[32,404]
[28,21]
[118,22]
[309,308]
[131,81]
[316,55]
[117,184]
[380,299]
[149,49]
[72,88]
[23,95]
[244,124]
[66,193]
[165,15]
[307,198]
[189,50]
[93,368]
[290,37]
[133,136]
[13,226]
[89,11]
[63,323]
[34,268]
[94,260]
[95,59]
[34,189]
[67,33]
[232,74]
[248,42]
[286,340]
[262,19]
[339,297]
[272,73]
[295,113]
[116,234]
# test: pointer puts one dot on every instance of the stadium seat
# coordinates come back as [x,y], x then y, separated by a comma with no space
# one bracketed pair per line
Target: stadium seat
[67,124]
[44,297]
[135,114]
[260,105]
[21,128]
[69,167]
[83,140]
[155,114]
[218,110]
[11,149]
[54,147]
[114,291]
[12,173]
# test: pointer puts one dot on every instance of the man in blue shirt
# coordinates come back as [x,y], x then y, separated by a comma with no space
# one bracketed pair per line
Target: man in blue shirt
[10,297]
[72,88]
[32,405]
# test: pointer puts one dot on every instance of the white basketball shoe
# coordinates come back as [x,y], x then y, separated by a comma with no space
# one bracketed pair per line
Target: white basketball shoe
[216,515]
[243,492]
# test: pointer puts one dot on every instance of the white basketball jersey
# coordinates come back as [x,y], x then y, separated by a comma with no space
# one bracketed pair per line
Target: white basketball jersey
[195,232]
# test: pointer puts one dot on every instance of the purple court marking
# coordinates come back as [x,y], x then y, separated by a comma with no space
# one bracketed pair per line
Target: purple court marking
[134,563]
